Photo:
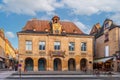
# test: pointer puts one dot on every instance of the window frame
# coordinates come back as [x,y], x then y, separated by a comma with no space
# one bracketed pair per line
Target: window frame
[28,45]
[42,45]
[83,47]
[57,45]
[107,51]
[71,46]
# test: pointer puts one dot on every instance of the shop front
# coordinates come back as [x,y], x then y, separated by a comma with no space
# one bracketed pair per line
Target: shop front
[104,64]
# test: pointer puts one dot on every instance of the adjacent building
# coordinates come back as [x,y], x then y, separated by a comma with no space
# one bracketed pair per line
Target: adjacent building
[7,52]
[106,46]
[10,54]
[2,49]
[54,46]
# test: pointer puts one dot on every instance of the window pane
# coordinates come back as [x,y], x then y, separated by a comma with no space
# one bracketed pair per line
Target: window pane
[28,45]
[83,46]
[42,45]
[71,46]
[57,45]
[106,51]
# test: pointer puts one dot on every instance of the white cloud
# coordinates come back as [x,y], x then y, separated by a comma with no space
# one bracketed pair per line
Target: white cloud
[89,7]
[30,7]
[82,26]
[116,18]
[9,34]
[78,7]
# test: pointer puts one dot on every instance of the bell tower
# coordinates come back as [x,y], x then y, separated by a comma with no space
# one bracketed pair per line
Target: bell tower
[56,27]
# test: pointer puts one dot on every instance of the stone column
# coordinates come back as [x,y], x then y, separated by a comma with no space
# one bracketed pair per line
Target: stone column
[35,60]
[22,62]
[115,65]
[77,63]
[64,64]
[90,66]
[50,64]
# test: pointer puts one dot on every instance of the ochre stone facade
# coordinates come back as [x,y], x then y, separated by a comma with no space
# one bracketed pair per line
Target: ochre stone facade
[7,52]
[51,59]
[113,43]
[107,46]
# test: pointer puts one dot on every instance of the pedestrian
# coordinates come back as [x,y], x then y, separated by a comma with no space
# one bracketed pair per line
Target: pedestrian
[85,69]
[16,67]
[97,72]
[10,68]
[25,70]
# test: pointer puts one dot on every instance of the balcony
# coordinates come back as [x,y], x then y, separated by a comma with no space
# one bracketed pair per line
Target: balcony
[57,53]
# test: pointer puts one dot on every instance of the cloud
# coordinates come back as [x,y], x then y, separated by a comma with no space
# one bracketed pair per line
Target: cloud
[82,26]
[116,18]
[85,28]
[50,7]
[9,34]
[30,7]
[77,7]
[90,7]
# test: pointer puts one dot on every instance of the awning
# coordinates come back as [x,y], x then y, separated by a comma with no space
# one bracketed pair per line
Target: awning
[1,59]
[102,60]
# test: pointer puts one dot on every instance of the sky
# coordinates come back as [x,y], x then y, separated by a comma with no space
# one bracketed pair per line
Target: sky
[14,14]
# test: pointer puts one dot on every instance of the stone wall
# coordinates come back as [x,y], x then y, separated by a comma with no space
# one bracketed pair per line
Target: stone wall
[77,55]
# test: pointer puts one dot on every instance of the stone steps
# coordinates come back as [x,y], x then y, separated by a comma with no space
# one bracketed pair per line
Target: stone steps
[50,73]
[56,75]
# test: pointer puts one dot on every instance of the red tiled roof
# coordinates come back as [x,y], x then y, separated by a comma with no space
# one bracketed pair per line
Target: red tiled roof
[41,25]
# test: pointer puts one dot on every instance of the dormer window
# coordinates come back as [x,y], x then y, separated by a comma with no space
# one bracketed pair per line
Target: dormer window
[34,29]
[106,25]
[56,26]
[46,30]
[63,31]
[74,31]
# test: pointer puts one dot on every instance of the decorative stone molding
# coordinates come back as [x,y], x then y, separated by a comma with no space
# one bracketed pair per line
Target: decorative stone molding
[42,53]
[57,53]
[71,53]
[28,52]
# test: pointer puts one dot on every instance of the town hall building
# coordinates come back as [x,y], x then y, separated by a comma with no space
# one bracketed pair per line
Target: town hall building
[54,46]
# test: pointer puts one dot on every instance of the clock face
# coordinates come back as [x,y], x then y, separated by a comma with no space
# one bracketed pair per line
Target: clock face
[56,26]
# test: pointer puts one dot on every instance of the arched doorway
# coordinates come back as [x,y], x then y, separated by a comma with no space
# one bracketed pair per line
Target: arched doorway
[57,64]
[83,64]
[42,64]
[29,64]
[71,65]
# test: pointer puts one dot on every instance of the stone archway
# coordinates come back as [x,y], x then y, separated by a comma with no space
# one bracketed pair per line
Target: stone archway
[29,64]
[71,64]
[42,64]
[83,64]
[57,64]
